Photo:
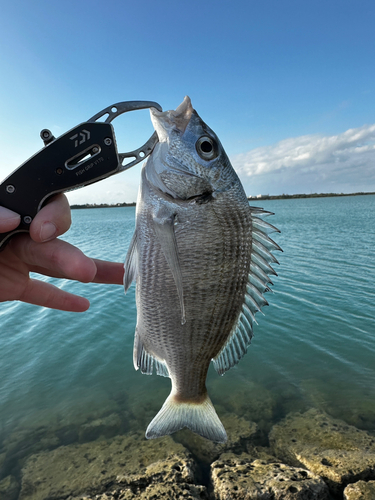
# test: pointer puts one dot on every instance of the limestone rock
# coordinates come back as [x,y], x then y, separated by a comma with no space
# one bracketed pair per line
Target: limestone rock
[240,432]
[90,468]
[239,477]
[2,462]
[166,479]
[108,426]
[250,400]
[9,488]
[360,491]
[155,492]
[319,395]
[337,452]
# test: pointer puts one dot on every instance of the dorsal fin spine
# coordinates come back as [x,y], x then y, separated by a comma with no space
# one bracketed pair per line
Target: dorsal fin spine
[263,252]
[263,264]
[263,226]
[258,271]
[265,240]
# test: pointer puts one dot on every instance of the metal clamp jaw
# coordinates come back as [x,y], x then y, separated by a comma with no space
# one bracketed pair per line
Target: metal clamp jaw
[111,112]
[83,155]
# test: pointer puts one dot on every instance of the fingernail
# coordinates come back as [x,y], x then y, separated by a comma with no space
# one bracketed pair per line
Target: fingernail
[48,231]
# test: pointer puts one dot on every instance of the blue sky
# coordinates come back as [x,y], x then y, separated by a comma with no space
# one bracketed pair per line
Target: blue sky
[288,86]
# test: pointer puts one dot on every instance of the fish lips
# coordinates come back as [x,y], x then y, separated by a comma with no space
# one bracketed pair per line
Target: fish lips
[165,122]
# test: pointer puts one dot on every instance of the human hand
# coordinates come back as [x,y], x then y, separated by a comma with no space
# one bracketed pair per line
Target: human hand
[43,253]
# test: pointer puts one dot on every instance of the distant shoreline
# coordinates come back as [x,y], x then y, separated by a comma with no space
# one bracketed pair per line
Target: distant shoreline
[312,195]
[102,205]
[250,198]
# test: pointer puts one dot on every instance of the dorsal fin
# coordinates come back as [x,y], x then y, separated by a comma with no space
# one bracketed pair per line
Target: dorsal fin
[261,257]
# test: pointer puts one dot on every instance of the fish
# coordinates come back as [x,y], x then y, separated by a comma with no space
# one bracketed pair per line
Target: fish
[201,258]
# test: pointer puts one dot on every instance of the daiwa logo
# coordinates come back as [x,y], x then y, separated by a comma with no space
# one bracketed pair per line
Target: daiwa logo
[80,138]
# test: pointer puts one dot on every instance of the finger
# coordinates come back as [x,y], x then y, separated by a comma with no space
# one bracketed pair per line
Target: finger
[52,220]
[45,294]
[57,257]
[9,220]
[111,273]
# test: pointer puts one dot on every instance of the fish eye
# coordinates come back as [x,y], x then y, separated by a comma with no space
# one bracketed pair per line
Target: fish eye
[206,148]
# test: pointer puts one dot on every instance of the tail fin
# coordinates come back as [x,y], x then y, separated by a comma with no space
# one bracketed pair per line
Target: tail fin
[201,418]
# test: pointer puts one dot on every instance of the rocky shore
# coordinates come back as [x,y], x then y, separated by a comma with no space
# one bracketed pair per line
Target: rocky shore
[307,456]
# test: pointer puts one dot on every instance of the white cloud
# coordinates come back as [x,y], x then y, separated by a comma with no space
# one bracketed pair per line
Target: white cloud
[311,163]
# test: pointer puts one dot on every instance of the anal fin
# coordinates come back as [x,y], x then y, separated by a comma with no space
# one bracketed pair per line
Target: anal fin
[145,361]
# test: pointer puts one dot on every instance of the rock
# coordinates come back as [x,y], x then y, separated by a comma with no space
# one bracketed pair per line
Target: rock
[91,468]
[171,478]
[360,491]
[107,427]
[250,400]
[337,452]
[240,477]
[166,479]
[240,433]
[2,462]
[155,492]
[9,488]
[318,394]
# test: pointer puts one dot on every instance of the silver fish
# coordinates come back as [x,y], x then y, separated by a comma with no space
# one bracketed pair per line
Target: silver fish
[201,259]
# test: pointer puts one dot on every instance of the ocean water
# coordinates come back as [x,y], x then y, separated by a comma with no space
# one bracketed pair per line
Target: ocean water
[315,346]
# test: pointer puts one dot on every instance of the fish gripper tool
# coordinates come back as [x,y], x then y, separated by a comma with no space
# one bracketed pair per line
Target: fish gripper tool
[85,154]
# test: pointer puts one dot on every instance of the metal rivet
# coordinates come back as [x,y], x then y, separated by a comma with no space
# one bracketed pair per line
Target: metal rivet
[59,171]
[107,141]
[95,150]
[27,219]
[10,189]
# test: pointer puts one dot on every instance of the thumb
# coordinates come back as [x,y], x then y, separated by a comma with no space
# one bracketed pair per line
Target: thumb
[9,220]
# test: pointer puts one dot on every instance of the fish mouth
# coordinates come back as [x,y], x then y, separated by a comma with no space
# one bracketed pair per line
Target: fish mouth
[166,121]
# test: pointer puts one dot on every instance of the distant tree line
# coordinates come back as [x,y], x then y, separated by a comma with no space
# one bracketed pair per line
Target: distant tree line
[102,205]
[261,197]
[312,195]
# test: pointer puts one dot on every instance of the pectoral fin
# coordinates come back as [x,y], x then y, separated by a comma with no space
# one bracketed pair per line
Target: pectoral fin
[164,230]
[130,266]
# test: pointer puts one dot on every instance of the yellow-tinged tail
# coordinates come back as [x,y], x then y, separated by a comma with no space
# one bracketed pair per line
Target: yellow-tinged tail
[200,418]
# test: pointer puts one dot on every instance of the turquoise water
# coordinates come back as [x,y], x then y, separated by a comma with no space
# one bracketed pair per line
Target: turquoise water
[315,346]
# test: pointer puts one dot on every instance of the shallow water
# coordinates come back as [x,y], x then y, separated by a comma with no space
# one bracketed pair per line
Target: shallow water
[315,346]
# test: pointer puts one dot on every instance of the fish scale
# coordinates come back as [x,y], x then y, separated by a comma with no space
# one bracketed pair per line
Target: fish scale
[199,274]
